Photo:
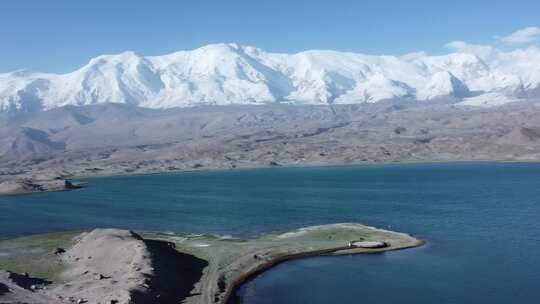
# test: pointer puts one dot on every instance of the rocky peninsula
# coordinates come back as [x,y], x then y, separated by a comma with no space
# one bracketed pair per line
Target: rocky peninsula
[122,266]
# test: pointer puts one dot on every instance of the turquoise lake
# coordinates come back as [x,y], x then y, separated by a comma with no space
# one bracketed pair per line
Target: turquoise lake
[481,222]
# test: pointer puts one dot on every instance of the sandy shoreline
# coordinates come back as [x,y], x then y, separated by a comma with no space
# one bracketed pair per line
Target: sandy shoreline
[164,268]
[15,186]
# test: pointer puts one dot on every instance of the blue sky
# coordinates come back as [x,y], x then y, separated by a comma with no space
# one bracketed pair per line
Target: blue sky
[59,36]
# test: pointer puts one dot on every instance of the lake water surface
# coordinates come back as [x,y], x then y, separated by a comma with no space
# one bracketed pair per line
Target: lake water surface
[481,222]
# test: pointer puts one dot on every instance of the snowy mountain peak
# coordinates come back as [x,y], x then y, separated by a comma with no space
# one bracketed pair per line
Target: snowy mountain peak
[229,73]
[443,84]
[121,57]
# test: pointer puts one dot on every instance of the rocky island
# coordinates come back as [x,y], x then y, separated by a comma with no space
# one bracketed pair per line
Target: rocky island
[122,266]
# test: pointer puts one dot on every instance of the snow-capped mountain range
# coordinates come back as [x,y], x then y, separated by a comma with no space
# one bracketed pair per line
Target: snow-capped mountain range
[222,74]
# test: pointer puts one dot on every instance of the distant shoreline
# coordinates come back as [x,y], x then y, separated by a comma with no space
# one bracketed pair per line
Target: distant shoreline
[84,180]
[135,141]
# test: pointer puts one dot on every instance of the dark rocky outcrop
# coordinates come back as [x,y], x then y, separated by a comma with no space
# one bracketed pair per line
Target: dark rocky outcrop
[175,273]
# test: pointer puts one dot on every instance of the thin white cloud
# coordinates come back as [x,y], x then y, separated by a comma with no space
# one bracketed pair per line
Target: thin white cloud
[523,36]
[526,35]
[480,50]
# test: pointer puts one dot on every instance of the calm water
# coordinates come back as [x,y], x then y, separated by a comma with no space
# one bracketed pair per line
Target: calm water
[482,222]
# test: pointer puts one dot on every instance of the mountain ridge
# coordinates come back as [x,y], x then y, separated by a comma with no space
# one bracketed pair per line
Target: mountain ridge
[222,74]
